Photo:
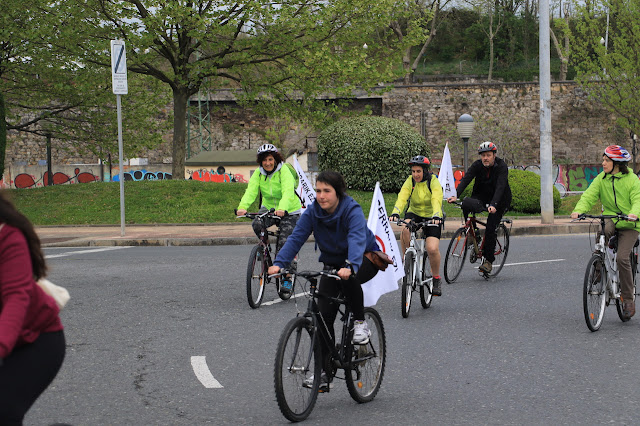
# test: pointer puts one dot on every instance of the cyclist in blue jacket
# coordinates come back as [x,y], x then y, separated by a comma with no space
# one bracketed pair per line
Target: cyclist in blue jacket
[340,231]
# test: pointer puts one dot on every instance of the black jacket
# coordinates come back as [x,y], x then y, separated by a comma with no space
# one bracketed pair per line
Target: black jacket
[491,185]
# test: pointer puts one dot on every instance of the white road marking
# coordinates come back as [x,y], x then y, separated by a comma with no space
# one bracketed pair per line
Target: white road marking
[200,368]
[278,300]
[535,261]
[70,253]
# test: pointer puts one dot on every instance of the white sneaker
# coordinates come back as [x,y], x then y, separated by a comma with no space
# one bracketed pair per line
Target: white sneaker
[361,333]
[324,383]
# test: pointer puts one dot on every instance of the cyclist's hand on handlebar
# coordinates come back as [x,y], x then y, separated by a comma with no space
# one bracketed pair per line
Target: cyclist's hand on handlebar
[273,270]
[575,215]
[491,209]
[344,273]
[632,217]
[280,213]
[241,212]
[394,216]
[452,199]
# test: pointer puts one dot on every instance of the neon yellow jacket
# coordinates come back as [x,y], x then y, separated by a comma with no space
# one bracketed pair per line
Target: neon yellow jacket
[618,193]
[277,190]
[423,203]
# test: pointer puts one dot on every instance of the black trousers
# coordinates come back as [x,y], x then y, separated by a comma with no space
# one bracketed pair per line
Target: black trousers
[475,205]
[352,291]
[26,373]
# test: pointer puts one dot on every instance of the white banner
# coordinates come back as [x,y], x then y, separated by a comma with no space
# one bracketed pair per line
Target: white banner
[384,281]
[447,181]
[305,190]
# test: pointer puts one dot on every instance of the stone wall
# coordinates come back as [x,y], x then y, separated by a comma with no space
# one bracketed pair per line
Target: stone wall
[580,127]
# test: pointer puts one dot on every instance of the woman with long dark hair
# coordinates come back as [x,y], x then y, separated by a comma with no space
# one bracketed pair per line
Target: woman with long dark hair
[32,344]
[341,233]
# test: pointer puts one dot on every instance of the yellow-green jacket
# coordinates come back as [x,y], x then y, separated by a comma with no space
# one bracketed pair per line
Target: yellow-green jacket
[618,193]
[277,190]
[423,202]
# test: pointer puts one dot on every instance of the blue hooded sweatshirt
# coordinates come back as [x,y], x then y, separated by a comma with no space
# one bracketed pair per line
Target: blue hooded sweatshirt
[341,235]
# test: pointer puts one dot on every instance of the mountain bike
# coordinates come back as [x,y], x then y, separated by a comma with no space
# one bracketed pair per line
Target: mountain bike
[601,279]
[417,269]
[259,261]
[298,357]
[469,237]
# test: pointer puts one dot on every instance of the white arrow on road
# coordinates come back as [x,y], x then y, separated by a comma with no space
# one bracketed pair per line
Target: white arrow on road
[200,368]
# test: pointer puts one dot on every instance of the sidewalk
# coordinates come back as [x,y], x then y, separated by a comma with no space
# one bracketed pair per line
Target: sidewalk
[238,233]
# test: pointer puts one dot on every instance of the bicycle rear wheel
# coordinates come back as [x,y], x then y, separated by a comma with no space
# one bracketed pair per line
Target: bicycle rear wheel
[256,277]
[407,282]
[366,367]
[594,292]
[501,250]
[426,290]
[633,260]
[456,253]
[297,359]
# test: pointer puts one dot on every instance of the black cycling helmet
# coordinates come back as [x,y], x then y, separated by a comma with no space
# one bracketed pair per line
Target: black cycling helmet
[420,160]
[487,146]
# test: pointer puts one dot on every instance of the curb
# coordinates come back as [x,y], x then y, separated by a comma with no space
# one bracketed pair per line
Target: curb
[578,228]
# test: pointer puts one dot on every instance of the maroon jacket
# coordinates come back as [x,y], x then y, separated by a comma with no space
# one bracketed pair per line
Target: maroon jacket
[25,309]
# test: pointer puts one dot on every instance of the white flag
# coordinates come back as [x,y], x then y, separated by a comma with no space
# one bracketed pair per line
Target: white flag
[447,181]
[384,281]
[305,190]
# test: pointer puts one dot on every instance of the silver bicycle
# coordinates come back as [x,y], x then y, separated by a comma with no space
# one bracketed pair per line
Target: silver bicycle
[601,280]
[417,269]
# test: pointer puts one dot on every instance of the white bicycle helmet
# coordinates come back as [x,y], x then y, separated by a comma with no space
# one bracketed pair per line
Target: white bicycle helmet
[487,147]
[267,147]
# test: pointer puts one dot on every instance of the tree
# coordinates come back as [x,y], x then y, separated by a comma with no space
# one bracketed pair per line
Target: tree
[609,74]
[561,25]
[45,93]
[281,52]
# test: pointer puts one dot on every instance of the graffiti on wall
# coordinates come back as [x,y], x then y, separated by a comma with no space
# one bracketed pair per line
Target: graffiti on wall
[25,180]
[138,175]
[220,175]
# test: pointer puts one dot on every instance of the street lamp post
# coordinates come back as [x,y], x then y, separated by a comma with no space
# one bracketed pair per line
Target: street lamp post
[465,130]
[634,150]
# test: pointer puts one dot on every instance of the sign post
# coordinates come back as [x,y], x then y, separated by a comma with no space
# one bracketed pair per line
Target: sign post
[120,87]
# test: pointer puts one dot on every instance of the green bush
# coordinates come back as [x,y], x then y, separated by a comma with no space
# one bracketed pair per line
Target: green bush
[525,192]
[525,188]
[367,149]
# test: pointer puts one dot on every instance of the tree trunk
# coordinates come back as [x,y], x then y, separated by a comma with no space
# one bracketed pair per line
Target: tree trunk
[180,100]
[490,60]
[3,135]
[406,65]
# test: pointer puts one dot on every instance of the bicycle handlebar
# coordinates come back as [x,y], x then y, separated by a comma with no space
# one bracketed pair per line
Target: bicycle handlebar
[620,216]
[331,273]
[428,221]
[268,213]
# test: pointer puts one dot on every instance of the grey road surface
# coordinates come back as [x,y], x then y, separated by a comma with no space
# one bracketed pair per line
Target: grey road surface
[513,350]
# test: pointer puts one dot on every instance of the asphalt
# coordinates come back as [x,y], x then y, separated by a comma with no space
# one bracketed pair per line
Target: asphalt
[240,233]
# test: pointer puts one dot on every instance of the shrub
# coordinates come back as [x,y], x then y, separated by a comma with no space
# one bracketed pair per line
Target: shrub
[525,188]
[367,149]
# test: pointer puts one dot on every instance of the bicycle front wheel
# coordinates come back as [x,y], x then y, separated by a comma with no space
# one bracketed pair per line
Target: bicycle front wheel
[407,282]
[426,290]
[501,250]
[298,360]
[256,277]
[594,293]
[366,367]
[456,253]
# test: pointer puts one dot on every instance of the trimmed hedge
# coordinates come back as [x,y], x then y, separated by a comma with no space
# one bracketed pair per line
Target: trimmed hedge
[525,192]
[367,149]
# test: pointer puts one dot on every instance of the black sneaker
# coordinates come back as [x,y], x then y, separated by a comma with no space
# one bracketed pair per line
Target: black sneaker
[437,288]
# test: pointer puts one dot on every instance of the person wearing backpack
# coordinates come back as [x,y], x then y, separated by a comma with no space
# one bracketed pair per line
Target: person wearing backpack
[274,183]
[421,197]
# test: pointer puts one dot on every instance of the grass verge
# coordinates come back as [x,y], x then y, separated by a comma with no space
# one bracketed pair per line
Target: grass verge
[170,201]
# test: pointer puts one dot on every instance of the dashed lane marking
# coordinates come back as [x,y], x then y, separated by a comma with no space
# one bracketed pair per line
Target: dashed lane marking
[273,302]
[201,369]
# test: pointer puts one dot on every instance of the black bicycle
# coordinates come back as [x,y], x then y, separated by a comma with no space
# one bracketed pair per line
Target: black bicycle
[468,237]
[260,260]
[299,367]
